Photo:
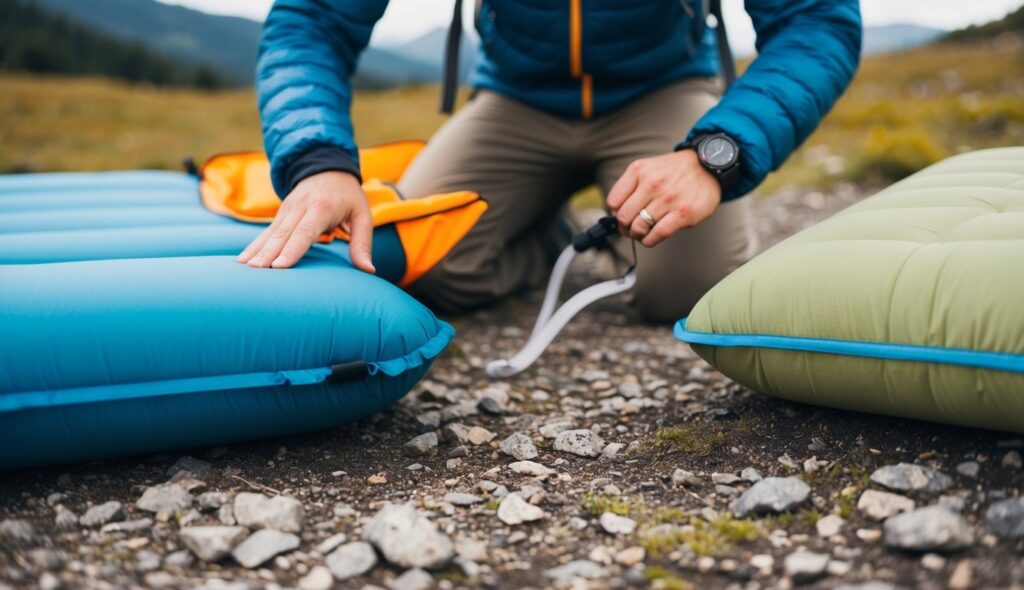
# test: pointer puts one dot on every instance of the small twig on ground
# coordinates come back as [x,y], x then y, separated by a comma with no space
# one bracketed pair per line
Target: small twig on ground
[257,486]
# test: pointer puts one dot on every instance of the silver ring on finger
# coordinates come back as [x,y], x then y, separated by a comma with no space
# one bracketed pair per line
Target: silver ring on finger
[647,217]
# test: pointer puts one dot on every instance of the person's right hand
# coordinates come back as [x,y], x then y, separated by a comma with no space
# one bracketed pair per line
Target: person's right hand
[316,205]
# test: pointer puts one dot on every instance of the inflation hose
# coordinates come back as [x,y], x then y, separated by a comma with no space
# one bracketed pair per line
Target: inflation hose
[551,321]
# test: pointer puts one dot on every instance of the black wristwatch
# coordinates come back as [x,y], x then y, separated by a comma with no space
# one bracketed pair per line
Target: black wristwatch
[719,155]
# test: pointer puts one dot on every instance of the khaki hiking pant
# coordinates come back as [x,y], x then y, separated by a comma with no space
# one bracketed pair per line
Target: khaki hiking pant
[527,163]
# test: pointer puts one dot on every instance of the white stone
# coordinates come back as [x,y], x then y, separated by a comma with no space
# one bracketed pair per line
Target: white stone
[617,525]
[515,510]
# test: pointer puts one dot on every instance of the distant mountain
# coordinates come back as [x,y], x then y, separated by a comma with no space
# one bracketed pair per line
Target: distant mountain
[229,43]
[1012,23]
[430,49]
[897,37]
[34,39]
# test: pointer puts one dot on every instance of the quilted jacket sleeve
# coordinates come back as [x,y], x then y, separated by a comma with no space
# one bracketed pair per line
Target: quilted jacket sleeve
[808,51]
[307,54]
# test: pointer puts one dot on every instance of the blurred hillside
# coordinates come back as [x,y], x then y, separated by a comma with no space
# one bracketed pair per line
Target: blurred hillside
[904,111]
[35,40]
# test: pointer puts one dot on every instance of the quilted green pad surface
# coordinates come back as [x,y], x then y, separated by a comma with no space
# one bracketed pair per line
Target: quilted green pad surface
[909,303]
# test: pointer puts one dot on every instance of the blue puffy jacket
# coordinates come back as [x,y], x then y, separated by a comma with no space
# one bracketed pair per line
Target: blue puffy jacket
[572,58]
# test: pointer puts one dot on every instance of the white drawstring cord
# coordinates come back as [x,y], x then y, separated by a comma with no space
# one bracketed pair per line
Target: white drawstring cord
[550,322]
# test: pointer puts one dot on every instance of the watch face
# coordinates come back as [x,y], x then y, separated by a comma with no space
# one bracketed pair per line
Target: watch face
[718,152]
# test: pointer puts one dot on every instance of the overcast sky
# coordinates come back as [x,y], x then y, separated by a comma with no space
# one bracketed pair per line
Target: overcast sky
[407,19]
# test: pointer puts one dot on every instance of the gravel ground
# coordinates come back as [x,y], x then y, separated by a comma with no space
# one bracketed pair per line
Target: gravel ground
[619,460]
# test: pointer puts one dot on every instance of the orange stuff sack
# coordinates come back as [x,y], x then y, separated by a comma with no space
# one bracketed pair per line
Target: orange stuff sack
[410,236]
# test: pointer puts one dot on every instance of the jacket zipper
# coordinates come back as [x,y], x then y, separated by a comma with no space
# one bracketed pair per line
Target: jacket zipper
[576,58]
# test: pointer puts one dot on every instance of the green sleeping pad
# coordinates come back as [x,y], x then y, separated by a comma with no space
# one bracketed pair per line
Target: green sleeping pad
[909,303]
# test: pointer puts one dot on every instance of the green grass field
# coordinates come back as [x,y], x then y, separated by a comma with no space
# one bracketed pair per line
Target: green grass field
[902,112]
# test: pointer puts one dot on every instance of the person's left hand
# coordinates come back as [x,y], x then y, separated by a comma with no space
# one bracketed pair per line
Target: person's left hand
[673,188]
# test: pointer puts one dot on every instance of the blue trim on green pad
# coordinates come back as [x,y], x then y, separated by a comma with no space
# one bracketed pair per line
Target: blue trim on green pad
[982,359]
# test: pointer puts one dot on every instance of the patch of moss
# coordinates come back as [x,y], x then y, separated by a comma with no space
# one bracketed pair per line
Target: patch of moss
[690,439]
[846,501]
[665,514]
[809,516]
[598,504]
[657,544]
[717,537]
[453,574]
[660,577]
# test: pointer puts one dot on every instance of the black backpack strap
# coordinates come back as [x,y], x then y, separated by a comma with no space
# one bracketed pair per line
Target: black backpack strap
[722,40]
[450,76]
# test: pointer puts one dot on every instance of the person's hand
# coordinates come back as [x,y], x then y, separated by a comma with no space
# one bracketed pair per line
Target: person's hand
[317,204]
[675,191]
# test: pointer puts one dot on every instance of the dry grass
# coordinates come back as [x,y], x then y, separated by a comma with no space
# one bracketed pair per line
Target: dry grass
[903,112]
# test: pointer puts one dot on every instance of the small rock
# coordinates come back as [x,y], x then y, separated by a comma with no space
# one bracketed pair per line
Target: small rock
[582,442]
[423,445]
[933,562]
[181,559]
[630,556]
[725,479]
[682,477]
[530,468]
[48,581]
[17,533]
[318,578]
[763,563]
[427,421]
[489,405]
[65,519]
[869,535]
[933,528]
[164,500]
[908,477]
[515,510]
[353,559]
[804,566]
[191,464]
[331,543]
[617,525]
[263,545]
[829,525]
[280,513]
[750,474]
[479,436]
[519,446]
[461,499]
[969,469]
[954,503]
[772,495]
[962,577]
[881,505]
[407,538]
[554,428]
[212,543]
[414,579]
[1012,460]
[209,501]
[611,450]
[46,559]
[456,432]
[147,561]
[101,514]
[128,526]
[581,568]
[1006,518]
[838,568]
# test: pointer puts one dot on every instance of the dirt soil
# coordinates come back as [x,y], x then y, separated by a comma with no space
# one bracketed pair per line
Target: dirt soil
[632,384]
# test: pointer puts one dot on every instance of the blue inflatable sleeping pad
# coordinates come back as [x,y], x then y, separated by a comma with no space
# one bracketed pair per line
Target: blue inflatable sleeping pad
[127,326]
